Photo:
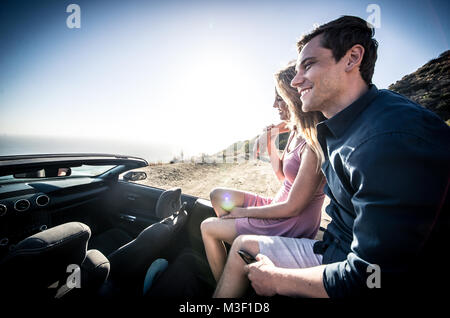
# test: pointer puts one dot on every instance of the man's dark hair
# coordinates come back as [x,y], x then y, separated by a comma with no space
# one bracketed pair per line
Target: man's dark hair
[341,34]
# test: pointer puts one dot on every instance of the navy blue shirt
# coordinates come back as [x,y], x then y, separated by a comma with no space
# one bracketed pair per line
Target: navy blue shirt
[387,165]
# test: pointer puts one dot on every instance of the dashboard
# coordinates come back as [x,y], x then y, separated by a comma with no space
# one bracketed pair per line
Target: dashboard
[31,206]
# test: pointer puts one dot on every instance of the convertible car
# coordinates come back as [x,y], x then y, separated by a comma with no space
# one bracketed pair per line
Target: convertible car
[76,224]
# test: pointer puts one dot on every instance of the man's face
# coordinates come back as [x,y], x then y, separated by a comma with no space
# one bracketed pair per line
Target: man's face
[319,79]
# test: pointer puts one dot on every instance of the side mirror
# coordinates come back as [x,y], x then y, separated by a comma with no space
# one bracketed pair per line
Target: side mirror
[135,176]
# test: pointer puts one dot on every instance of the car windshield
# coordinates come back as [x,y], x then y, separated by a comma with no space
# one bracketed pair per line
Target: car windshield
[61,172]
[90,171]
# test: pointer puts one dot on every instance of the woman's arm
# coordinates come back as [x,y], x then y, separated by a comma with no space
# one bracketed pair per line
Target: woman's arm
[304,187]
[272,150]
[274,156]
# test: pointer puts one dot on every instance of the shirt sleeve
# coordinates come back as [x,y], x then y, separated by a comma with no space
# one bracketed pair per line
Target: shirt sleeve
[399,181]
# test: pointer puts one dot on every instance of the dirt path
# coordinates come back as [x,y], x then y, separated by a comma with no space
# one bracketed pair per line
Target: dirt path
[200,179]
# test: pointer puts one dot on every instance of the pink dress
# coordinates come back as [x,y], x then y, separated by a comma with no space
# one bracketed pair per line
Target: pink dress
[305,224]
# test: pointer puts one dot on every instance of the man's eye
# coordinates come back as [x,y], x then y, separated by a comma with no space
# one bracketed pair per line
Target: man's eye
[307,66]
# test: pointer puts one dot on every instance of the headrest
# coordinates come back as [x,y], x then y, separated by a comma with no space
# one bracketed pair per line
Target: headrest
[168,203]
[41,259]
[94,270]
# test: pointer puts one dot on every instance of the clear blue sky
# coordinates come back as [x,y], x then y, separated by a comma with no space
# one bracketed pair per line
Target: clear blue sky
[196,75]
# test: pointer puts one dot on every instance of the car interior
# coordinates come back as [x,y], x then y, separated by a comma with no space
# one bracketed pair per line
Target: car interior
[110,229]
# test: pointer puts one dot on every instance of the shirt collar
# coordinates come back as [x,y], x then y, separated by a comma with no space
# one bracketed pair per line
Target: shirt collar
[342,120]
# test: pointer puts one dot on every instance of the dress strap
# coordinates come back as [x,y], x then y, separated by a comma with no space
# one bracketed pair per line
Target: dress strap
[301,144]
[291,136]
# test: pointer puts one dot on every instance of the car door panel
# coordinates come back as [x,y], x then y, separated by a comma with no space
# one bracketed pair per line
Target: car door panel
[131,206]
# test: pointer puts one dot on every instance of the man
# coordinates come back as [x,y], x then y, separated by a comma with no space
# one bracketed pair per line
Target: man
[387,164]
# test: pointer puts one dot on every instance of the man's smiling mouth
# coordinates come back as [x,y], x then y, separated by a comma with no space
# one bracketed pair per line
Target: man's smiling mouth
[305,91]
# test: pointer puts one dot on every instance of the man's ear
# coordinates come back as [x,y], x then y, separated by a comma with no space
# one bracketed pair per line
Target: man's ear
[354,57]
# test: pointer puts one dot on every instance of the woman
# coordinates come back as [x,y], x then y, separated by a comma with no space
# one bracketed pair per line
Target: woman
[296,209]
[267,140]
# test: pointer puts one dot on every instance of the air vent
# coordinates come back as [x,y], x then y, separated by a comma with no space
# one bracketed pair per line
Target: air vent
[21,205]
[3,209]
[42,200]
[4,241]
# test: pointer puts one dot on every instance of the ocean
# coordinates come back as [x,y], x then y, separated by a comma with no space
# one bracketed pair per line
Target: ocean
[20,145]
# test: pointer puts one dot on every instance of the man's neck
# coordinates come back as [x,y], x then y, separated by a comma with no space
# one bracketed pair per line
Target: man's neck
[346,98]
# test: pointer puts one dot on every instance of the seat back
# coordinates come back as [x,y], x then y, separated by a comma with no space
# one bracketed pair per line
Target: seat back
[130,262]
[42,259]
[168,203]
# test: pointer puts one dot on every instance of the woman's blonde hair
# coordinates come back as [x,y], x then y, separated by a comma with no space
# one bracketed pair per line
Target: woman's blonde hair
[305,122]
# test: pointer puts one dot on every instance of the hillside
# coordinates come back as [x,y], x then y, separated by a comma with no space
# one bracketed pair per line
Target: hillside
[244,149]
[429,86]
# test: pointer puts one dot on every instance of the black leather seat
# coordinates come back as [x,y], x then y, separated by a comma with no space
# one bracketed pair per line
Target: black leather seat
[130,262]
[94,271]
[42,259]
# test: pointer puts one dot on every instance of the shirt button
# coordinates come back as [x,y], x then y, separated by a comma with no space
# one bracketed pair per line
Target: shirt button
[336,241]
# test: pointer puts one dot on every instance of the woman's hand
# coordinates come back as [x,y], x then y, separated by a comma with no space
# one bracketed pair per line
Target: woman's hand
[279,128]
[234,214]
[273,130]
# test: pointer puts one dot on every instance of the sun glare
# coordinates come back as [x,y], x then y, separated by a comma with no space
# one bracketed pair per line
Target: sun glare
[212,94]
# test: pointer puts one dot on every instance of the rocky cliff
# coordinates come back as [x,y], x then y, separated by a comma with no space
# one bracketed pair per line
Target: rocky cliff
[429,86]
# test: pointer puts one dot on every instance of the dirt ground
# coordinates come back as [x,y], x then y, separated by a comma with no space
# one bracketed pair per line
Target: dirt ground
[199,179]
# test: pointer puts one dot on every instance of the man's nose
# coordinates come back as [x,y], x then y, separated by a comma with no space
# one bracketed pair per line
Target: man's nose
[298,80]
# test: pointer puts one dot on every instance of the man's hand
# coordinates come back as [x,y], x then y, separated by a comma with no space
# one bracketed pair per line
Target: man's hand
[260,275]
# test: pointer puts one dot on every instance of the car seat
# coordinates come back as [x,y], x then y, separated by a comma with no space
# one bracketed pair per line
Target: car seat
[111,240]
[40,260]
[130,262]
